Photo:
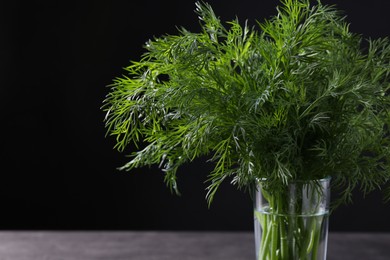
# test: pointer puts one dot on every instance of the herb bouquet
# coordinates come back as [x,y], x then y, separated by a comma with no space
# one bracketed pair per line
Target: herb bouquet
[281,107]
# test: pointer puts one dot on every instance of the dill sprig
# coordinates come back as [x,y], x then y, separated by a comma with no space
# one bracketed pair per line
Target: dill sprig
[293,97]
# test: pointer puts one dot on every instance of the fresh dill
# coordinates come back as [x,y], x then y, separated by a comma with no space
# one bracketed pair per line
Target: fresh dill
[293,97]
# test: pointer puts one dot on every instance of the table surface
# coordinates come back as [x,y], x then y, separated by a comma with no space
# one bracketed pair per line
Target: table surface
[163,245]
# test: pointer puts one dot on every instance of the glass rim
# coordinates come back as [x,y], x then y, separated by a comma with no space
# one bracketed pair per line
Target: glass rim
[325,179]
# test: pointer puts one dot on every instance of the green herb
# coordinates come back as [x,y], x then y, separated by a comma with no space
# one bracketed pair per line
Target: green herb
[295,97]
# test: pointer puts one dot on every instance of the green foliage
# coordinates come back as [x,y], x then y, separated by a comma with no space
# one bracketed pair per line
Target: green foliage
[294,97]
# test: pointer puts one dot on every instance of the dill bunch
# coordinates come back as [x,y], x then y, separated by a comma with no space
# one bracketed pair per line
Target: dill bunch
[295,97]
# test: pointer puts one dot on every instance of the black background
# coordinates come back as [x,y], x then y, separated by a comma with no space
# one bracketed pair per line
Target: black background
[58,170]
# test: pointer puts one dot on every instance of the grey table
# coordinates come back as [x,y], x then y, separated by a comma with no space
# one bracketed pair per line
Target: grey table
[121,245]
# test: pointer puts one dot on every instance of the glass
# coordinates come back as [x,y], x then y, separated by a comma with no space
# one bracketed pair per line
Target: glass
[292,224]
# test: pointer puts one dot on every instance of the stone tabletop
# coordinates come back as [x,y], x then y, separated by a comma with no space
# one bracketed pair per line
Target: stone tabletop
[164,245]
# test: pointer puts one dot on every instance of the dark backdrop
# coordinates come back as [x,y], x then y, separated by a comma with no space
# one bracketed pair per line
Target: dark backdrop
[58,170]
